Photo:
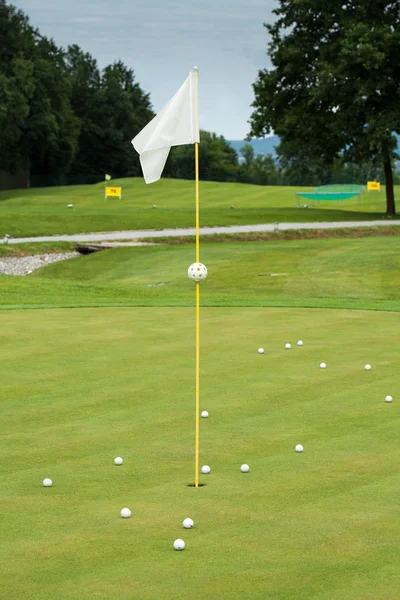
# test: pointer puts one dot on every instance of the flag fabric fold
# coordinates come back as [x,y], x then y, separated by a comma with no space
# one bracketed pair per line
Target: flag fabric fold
[176,124]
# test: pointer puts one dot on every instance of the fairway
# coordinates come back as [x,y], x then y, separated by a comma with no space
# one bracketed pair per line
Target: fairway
[82,386]
[333,273]
[43,211]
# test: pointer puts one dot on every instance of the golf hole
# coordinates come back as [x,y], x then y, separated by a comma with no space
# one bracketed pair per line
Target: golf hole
[194,485]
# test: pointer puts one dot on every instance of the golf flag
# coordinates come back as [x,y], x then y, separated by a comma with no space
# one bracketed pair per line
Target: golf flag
[108,177]
[176,125]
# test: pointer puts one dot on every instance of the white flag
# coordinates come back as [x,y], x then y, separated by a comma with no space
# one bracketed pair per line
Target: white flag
[177,124]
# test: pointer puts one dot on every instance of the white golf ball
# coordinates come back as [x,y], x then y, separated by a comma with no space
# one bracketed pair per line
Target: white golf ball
[323,365]
[188,523]
[245,468]
[261,351]
[204,414]
[118,461]
[299,343]
[205,470]
[179,544]
[388,398]
[47,482]
[299,448]
[197,272]
[126,513]
[287,346]
[367,367]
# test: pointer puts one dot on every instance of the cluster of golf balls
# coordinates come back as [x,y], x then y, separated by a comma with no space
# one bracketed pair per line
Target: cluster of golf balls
[299,448]
[197,272]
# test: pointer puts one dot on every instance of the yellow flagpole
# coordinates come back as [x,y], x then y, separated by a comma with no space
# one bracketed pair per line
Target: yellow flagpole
[196,147]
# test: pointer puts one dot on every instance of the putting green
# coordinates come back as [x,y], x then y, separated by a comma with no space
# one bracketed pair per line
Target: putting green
[80,387]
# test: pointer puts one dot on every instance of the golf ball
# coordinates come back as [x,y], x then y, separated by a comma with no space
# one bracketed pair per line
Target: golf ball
[245,468]
[126,513]
[47,482]
[299,343]
[204,414]
[205,470]
[388,398]
[118,460]
[188,523]
[261,351]
[323,365]
[367,367]
[299,448]
[179,544]
[287,346]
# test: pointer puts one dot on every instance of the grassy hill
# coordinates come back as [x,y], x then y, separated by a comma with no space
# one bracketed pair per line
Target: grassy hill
[352,273]
[44,211]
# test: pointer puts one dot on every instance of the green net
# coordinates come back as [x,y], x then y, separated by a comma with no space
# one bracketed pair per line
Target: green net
[340,187]
[329,196]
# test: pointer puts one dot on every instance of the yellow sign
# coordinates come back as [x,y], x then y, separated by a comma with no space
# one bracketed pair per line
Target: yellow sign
[114,191]
[374,186]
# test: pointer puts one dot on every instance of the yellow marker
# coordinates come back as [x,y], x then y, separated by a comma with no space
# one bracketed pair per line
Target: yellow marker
[374,186]
[113,191]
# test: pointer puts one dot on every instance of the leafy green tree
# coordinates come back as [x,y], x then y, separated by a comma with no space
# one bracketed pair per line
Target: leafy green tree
[123,110]
[263,171]
[334,85]
[217,160]
[51,130]
[86,102]
[247,151]
[16,84]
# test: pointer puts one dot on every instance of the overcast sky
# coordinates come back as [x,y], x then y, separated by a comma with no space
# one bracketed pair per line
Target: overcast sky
[162,40]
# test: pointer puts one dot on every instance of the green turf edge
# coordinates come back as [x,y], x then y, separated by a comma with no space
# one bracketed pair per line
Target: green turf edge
[278,236]
[329,303]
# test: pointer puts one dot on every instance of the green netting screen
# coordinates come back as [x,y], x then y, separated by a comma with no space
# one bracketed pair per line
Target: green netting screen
[339,187]
[329,196]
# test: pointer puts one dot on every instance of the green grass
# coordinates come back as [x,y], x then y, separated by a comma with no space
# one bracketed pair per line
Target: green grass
[356,273]
[29,249]
[44,211]
[80,387]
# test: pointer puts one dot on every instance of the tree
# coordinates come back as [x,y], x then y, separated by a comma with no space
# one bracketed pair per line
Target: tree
[247,151]
[217,160]
[50,132]
[86,102]
[123,110]
[334,85]
[16,84]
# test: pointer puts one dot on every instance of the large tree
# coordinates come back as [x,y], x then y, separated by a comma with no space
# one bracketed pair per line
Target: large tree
[17,85]
[334,85]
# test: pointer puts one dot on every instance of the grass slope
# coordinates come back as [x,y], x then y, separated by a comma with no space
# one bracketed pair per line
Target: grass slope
[44,211]
[80,387]
[356,273]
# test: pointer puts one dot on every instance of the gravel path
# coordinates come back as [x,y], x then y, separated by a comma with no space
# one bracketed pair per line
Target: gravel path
[26,264]
[146,233]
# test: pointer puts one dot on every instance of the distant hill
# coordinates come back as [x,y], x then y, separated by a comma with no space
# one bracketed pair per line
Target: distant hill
[260,145]
[267,145]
